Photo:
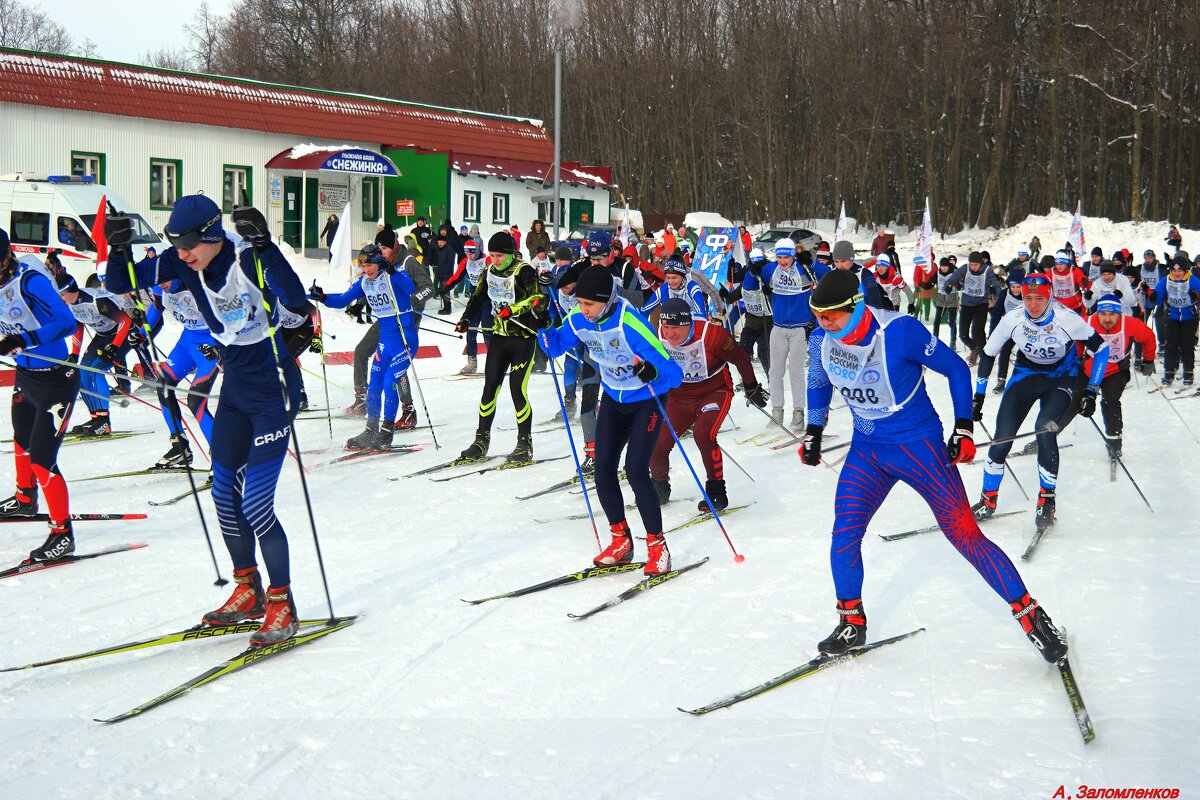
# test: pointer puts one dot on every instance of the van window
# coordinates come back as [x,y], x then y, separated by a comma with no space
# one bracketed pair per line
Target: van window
[30,227]
[72,234]
[142,232]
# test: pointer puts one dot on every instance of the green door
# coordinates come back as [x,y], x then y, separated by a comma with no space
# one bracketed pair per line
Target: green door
[311,217]
[582,212]
[291,212]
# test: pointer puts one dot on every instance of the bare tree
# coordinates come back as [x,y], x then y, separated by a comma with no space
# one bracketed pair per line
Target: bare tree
[27,27]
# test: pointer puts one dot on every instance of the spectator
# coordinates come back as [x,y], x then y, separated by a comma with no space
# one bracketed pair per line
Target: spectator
[515,232]
[880,243]
[424,236]
[1174,238]
[670,243]
[537,238]
[744,235]
[444,260]
[330,230]
[474,234]
[1035,250]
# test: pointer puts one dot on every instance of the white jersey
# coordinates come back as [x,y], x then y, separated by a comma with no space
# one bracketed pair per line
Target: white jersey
[502,289]
[860,372]
[182,306]
[1045,344]
[1119,283]
[15,314]
[238,303]
[87,311]
[380,294]
[693,357]
[610,350]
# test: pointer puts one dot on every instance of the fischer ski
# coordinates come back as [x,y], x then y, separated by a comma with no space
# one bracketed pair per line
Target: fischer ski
[803,671]
[892,537]
[136,472]
[172,500]
[637,588]
[33,566]
[456,462]
[1034,542]
[501,466]
[1082,718]
[705,517]
[74,517]
[563,580]
[248,657]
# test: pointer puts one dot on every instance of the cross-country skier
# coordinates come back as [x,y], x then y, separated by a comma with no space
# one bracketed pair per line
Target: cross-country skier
[704,351]
[876,361]
[1179,292]
[1069,282]
[252,424]
[1046,335]
[633,362]
[976,282]
[35,321]
[757,300]
[578,363]
[946,300]
[471,268]
[1011,299]
[677,284]
[1109,280]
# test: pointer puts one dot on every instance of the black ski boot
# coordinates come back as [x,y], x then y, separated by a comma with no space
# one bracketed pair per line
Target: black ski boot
[59,544]
[1040,629]
[303,401]
[1045,509]
[479,448]
[716,493]
[1029,449]
[96,426]
[851,632]
[569,404]
[366,439]
[178,457]
[999,387]
[523,452]
[1114,446]
[986,506]
[22,505]
[588,466]
[359,407]
[383,438]
[663,489]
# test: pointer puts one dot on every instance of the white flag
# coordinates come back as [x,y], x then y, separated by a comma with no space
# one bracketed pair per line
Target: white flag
[925,237]
[625,228]
[840,231]
[1076,237]
[340,248]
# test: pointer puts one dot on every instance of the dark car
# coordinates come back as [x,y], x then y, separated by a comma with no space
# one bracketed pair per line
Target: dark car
[803,237]
[577,237]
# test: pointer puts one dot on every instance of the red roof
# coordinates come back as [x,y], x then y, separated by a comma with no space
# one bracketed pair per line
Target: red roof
[571,172]
[141,92]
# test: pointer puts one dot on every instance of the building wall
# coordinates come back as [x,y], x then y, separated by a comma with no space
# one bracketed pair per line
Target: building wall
[422,180]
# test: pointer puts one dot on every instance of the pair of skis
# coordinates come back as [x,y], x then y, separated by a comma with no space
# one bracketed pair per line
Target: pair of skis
[27,566]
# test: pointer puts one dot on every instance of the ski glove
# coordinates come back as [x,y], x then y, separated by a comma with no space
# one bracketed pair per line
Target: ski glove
[1087,402]
[645,371]
[73,358]
[251,225]
[118,230]
[977,407]
[504,312]
[12,344]
[316,293]
[462,326]
[810,446]
[757,395]
[315,345]
[108,352]
[1147,368]
[136,338]
[961,446]
[912,309]
[209,351]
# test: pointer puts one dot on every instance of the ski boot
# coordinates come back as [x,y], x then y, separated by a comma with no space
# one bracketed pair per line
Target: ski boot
[245,603]
[972,357]
[1029,449]
[59,544]
[359,407]
[658,557]
[303,401]
[523,453]
[408,418]
[23,504]
[1040,629]
[1114,446]
[797,417]
[777,415]
[663,490]
[364,440]
[478,450]
[999,387]
[1045,509]
[588,467]
[619,550]
[98,425]
[716,493]
[471,368]
[178,457]
[986,506]
[382,439]
[281,621]
[851,632]
[569,404]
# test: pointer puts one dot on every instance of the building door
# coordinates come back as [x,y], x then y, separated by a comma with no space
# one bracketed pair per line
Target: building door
[311,217]
[291,212]
[582,212]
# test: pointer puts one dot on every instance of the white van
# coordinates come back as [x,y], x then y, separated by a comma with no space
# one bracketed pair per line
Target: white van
[41,212]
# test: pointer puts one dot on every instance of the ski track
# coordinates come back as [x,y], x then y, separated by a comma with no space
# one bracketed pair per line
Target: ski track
[428,697]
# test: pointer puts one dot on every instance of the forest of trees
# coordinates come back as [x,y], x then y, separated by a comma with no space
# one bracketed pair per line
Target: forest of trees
[781,109]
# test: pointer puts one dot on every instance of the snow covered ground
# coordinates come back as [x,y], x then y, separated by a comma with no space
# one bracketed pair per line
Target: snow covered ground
[428,697]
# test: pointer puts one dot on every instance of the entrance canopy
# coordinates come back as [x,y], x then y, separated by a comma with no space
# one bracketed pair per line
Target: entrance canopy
[334,158]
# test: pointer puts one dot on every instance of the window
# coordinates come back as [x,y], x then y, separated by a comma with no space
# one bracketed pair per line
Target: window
[29,227]
[84,163]
[235,185]
[499,209]
[470,207]
[370,199]
[546,210]
[165,177]
[73,235]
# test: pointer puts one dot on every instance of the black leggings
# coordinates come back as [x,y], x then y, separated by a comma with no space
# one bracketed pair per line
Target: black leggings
[362,355]
[972,325]
[1005,357]
[42,400]
[1179,345]
[634,426]
[951,317]
[762,337]
[1055,398]
[514,355]
[1111,389]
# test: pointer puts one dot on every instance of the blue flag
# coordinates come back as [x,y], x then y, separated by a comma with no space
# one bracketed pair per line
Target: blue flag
[711,259]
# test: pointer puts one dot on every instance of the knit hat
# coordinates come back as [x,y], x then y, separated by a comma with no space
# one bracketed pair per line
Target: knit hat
[1061,257]
[1107,266]
[785,247]
[843,250]
[1148,253]
[501,242]
[66,283]
[1118,256]
[975,257]
[1183,259]
[195,218]
[595,283]
[883,260]
[1038,284]
[1096,251]
[1016,275]
[675,311]
[838,289]
[757,255]
[1109,302]
[563,254]
[822,248]
[674,266]
[469,246]
[1022,251]
[386,237]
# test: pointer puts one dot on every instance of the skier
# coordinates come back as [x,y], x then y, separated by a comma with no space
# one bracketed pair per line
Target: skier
[704,352]
[471,268]
[1068,281]
[633,364]
[578,363]
[923,273]
[1046,335]
[677,284]
[253,423]
[893,285]
[1179,292]
[946,301]
[757,301]
[510,286]
[35,322]
[1109,280]
[791,320]
[843,258]
[1012,298]
[876,361]
[976,282]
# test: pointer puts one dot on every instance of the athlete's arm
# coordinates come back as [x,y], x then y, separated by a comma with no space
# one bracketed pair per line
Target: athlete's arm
[820,389]
[53,315]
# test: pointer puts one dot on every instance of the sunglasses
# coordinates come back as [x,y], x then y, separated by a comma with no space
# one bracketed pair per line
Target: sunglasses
[186,240]
[1037,280]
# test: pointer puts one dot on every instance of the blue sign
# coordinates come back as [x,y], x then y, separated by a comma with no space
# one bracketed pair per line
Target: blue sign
[711,258]
[362,162]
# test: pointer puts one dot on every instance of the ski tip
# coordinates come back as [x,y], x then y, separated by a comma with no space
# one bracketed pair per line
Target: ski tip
[690,711]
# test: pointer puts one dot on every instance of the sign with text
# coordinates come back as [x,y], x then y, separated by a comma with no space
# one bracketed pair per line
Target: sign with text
[406,208]
[363,162]
[711,258]
[332,196]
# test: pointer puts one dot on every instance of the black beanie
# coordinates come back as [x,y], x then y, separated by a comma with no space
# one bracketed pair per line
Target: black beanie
[838,289]
[975,258]
[386,237]
[595,283]
[1096,251]
[501,242]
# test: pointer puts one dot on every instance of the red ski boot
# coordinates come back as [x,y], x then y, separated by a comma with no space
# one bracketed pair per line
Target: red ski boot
[281,622]
[619,550]
[245,603]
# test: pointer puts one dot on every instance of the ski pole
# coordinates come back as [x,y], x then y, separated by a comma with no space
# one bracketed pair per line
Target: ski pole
[1159,389]
[735,463]
[574,454]
[143,381]
[187,427]
[1122,463]
[412,367]
[325,379]
[779,424]
[1013,472]
[738,557]
[442,333]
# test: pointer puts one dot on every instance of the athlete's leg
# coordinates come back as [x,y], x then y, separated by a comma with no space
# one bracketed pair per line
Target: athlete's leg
[1018,398]
[709,414]
[1054,403]
[612,432]
[522,361]
[644,423]
[861,489]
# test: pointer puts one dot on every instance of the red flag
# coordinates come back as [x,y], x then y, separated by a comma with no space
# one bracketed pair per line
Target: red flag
[98,237]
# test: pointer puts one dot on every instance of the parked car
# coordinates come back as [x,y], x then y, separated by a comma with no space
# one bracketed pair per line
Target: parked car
[576,238]
[803,237]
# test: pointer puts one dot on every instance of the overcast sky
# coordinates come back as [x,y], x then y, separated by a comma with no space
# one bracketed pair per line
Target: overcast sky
[125,29]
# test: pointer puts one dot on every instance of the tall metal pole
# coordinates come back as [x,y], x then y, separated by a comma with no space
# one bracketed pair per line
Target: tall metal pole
[557,143]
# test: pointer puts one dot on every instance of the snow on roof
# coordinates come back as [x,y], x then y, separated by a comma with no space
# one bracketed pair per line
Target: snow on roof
[516,169]
[706,219]
[302,150]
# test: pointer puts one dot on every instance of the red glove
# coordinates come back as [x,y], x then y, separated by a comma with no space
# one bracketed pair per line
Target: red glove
[504,312]
[961,446]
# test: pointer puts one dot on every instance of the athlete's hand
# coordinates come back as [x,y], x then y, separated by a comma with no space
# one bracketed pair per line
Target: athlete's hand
[73,358]
[961,446]
[462,326]
[315,345]
[504,312]
[108,352]
[316,293]
[118,230]
[757,395]
[912,309]
[12,344]
[810,446]
[1147,368]
[977,407]
[1087,402]
[645,371]
[136,338]
[251,225]
[209,351]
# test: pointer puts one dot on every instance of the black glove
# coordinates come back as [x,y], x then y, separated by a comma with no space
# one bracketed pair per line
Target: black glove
[1118,293]
[251,225]
[316,293]
[645,371]
[977,407]
[1087,401]
[209,351]
[73,358]
[1087,294]
[961,445]
[11,343]
[118,230]
[462,326]
[108,352]
[315,345]
[912,309]
[757,395]
[756,268]
[138,316]
[1147,368]
[810,446]
[136,338]
[546,278]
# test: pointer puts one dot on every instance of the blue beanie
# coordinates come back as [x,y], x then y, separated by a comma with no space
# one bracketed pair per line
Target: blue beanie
[197,212]
[1016,275]
[1109,302]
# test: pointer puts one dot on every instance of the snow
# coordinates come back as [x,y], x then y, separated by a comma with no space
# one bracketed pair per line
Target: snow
[302,150]
[705,219]
[428,697]
[617,213]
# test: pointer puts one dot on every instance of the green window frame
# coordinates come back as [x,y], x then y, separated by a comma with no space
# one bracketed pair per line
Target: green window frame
[500,208]
[166,190]
[229,196]
[472,199]
[370,199]
[102,158]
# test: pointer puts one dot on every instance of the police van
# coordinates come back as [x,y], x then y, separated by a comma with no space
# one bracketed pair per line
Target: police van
[44,212]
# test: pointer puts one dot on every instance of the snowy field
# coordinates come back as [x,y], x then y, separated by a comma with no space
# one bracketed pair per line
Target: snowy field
[428,697]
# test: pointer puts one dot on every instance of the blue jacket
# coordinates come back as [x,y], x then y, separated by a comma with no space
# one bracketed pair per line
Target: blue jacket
[55,321]
[788,310]
[695,297]
[1180,313]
